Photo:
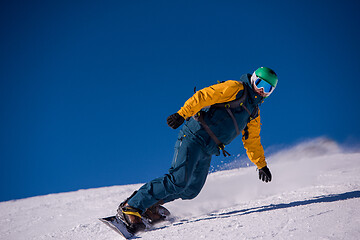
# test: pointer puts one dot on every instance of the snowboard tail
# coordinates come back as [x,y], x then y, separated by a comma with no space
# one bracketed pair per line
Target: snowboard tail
[118,226]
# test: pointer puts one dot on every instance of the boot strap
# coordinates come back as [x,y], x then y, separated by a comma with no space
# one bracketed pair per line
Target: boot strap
[137,214]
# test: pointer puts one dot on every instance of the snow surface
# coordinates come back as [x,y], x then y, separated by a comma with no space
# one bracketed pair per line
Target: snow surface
[315,194]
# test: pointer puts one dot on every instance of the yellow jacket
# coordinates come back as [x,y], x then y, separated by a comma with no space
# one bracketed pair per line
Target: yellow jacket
[225,92]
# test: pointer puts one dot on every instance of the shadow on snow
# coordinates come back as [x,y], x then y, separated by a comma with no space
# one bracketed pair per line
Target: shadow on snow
[319,199]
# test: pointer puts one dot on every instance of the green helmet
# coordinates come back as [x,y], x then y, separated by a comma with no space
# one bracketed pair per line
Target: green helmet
[268,75]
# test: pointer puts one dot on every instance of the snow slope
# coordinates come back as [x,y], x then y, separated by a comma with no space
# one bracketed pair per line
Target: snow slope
[315,194]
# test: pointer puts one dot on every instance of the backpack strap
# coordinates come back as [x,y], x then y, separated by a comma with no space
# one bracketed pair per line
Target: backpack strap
[234,103]
[234,120]
[237,102]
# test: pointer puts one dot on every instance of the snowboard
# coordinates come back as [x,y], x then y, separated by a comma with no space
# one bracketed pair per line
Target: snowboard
[118,226]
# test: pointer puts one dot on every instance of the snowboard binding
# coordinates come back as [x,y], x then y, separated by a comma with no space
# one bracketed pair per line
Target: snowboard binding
[131,217]
[136,221]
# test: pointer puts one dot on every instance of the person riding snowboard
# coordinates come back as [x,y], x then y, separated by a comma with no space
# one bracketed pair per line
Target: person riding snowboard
[214,117]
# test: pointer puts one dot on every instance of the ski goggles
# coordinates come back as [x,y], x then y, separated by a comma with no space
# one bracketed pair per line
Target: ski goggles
[260,83]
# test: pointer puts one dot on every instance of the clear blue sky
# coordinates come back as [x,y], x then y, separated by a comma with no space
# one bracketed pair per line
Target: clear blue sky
[86,86]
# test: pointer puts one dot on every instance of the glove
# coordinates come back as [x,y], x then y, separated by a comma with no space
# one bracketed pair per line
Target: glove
[175,120]
[265,174]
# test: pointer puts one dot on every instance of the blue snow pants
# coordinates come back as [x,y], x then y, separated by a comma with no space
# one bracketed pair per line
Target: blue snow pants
[186,177]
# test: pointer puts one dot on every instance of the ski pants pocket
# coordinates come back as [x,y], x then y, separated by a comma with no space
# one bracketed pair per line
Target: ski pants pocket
[176,150]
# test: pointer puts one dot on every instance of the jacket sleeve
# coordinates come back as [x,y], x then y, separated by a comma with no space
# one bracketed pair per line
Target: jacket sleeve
[252,143]
[218,93]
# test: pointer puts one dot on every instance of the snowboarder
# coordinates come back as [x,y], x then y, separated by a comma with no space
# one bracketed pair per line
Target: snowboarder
[214,117]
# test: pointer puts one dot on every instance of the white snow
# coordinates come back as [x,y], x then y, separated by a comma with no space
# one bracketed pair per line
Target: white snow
[315,194]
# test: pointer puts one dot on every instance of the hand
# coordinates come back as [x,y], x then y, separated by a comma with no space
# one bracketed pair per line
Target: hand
[265,174]
[175,120]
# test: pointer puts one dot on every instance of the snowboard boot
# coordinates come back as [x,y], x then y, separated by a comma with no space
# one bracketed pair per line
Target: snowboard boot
[156,213]
[131,216]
